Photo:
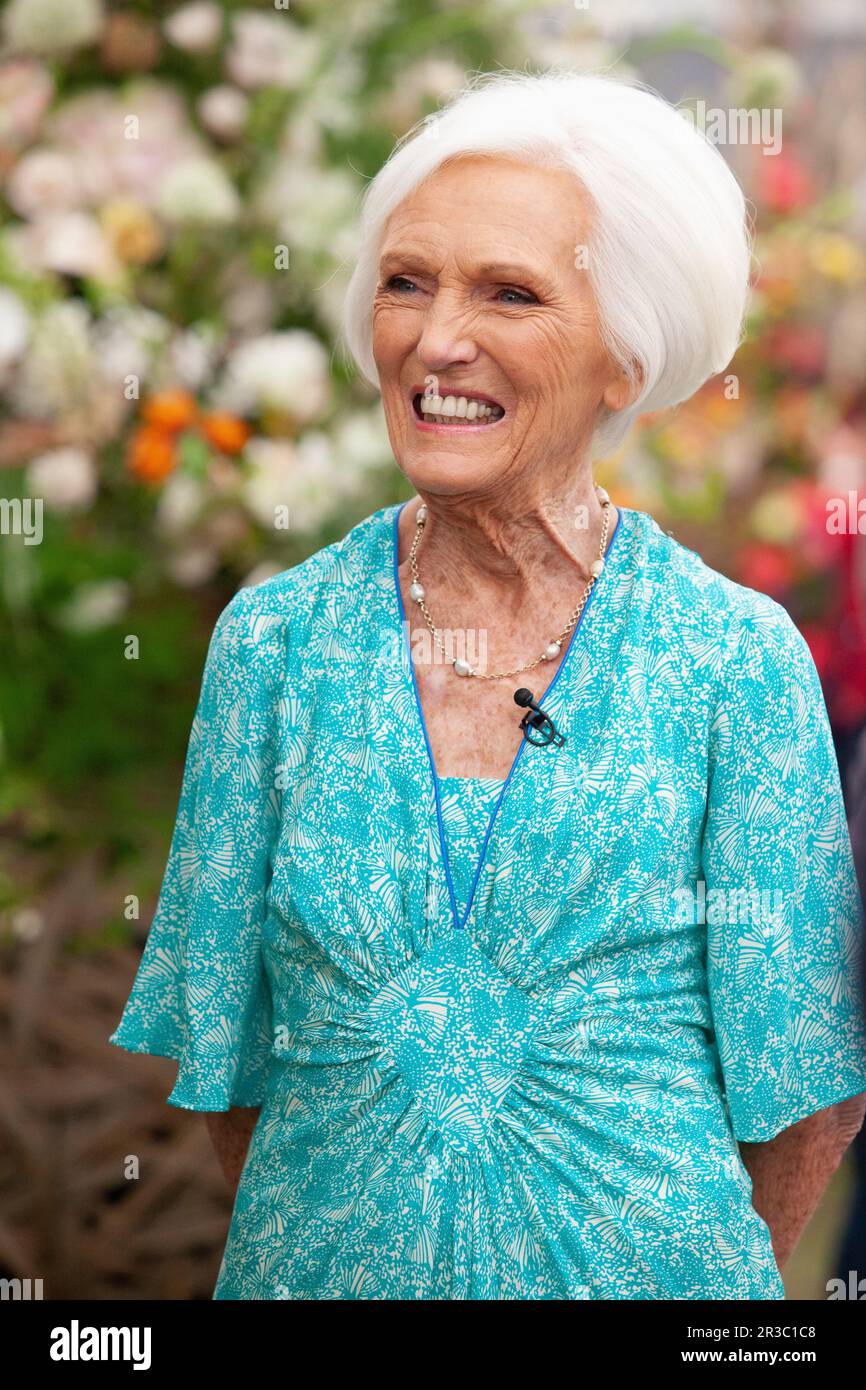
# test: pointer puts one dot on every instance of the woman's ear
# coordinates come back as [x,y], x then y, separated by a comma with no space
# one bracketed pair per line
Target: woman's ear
[624,388]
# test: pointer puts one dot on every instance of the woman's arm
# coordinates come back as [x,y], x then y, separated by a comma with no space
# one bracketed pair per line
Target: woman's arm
[790,1171]
[230,1132]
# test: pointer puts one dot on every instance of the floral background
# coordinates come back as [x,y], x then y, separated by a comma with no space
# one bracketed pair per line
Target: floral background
[179,188]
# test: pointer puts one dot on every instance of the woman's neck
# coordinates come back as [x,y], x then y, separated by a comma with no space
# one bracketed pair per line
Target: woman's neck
[497,545]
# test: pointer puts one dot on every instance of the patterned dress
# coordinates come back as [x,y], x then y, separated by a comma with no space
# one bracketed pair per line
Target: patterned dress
[505,1036]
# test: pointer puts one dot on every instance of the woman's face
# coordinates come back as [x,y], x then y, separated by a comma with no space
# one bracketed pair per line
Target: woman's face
[483,286]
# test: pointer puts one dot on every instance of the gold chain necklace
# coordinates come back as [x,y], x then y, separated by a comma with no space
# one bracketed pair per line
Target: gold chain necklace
[461,667]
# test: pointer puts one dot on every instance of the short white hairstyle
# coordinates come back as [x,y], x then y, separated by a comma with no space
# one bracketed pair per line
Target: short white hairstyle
[669,247]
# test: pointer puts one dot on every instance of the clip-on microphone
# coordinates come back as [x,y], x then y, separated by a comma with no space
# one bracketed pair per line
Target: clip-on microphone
[537,720]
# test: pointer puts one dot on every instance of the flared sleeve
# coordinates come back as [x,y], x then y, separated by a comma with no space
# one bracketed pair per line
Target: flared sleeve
[201,994]
[783,911]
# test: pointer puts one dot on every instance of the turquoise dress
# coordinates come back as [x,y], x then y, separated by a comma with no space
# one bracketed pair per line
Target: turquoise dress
[505,1036]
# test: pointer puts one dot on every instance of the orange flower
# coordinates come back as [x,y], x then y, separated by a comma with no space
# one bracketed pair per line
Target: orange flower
[152,454]
[715,404]
[794,413]
[170,410]
[224,431]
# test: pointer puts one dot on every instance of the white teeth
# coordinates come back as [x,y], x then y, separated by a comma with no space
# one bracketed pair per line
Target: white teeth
[450,408]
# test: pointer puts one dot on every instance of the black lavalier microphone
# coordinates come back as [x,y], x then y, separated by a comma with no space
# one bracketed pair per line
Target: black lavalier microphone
[537,720]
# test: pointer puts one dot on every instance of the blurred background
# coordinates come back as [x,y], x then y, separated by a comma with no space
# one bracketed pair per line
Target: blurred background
[179,188]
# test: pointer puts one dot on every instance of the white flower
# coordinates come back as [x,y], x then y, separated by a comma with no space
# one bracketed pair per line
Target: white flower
[193,566]
[319,484]
[331,102]
[95,605]
[192,355]
[43,181]
[180,504]
[329,296]
[199,190]
[127,340]
[285,371]
[361,439]
[60,378]
[72,243]
[50,26]
[14,328]
[305,479]
[65,479]
[223,111]
[57,371]
[311,208]
[248,302]
[269,50]
[195,28]
[118,159]
[267,486]
[436,79]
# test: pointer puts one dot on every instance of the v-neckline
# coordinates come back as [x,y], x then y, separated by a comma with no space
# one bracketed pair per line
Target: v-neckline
[460,923]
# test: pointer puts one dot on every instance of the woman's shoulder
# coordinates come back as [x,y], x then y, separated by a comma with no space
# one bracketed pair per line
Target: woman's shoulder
[260,616]
[694,585]
[724,630]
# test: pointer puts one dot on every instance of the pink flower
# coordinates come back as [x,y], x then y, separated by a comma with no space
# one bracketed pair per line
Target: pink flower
[783,183]
[797,347]
[26,89]
[44,181]
[767,568]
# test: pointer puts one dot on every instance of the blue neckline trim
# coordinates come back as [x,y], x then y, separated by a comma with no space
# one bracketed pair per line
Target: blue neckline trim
[460,923]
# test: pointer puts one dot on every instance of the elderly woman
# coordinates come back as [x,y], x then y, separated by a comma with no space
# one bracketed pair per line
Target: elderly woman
[510,927]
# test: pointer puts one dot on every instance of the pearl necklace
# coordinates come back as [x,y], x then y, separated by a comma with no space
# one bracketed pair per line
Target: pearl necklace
[418,594]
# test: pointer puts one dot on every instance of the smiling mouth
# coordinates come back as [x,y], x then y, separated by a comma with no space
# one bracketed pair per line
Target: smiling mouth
[457,411]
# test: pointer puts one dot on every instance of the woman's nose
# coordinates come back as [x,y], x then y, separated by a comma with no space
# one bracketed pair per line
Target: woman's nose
[446,334]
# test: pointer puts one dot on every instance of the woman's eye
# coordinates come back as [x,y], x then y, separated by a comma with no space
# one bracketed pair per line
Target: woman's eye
[396,281]
[523,296]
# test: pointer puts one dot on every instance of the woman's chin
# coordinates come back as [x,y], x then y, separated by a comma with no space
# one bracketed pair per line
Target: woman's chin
[445,469]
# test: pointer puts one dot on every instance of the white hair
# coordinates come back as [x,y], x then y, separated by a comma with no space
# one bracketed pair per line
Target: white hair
[669,242]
